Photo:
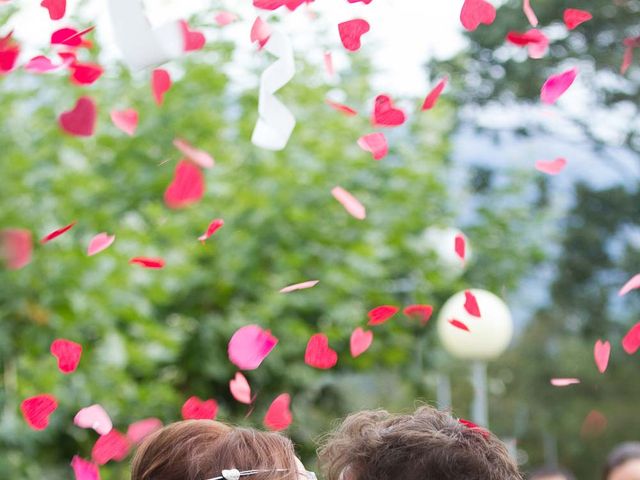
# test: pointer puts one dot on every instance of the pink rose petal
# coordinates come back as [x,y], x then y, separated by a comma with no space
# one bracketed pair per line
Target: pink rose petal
[95,417]
[240,389]
[601,353]
[551,167]
[81,120]
[423,312]
[146,262]
[68,354]
[471,304]
[458,324]
[564,382]
[351,32]
[196,409]
[213,227]
[475,12]
[199,157]
[328,64]
[84,469]
[126,120]
[260,32]
[141,429]
[631,341]
[360,342]
[40,64]
[350,203]
[56,8]
[318,353]
[112,446]
[160,84]
[100,242]
[385,114]
[460,246]
[632,284]
[249,346]
[573,17]
[374,143]
[348,111]
[56,233]
[85,73]
[434,95]
[278,416]
[36,410]
[535,40]
[16,246]
[529,13]
[300,286]
[187,186]
[193,40]
[225,18]
[381,314]
[556,85]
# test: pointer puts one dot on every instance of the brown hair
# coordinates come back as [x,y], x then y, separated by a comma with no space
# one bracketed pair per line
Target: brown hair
[619,456]
[201,449]
[425,445]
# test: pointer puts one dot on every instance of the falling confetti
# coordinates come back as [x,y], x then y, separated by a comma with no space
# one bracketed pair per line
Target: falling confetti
[112,446]
[160,85]
[16,246]
[351,33]
[36,410]
[381,314]
[535,40]
[632,284]
[81,120]
[460,246]
[433,96]
[213,227]
[564,382]
[601,353]
[458,324]
[139,430]
[192,39]
[374,143]
[318,353]
[348,111]
[423,312]
[278,416]
[249,346]
[95,417]
[631,341]
[84,469]
[556,85]
[68,354]
[475,12]
[85,73]
[573,17]
[240,389]
[193,154]
[99,243]
[551,167]
[126,120]
[350,203]
[529,13]
[56,8]
[360,342]
[147,262]
[385,114]
[196,409]
[56,233]
[471,304]
[300,286]
[187,186]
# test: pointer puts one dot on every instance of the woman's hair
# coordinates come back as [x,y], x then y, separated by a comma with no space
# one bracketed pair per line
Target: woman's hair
[619,456]
[201,449]
[425,445]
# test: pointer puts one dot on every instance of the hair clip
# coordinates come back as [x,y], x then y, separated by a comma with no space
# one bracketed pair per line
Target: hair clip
[235,474]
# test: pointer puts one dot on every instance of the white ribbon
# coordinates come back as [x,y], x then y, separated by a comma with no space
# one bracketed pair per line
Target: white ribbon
[276,122]
[141,45]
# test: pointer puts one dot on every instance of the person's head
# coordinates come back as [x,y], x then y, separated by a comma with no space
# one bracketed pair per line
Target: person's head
[425,445]
[551,473]
[202,449]
[623,463]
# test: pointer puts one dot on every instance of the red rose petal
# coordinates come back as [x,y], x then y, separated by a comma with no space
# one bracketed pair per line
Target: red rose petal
[214,226]
[57,8]
[187,186]
[434,95]
[458,324]
[15,247]
[381,314]
[460,246]
[196,409]
[348,111]
[374,143]
[601,353]
[551,167]
[360,342]
[193,40]
[351,32]
[160,84]
[85,73]
[475,12]
[300,286]
[68,354]
[473,426]
[81,120]
[240,389]
[350,203]
[84,469]
[249,346]
[631,341]
[126,120]
[573,17]
[57,233]
[139,430]
[112,446]
[318,353]
[9,52]
[197,156]
[556,85]
[146,262]
[385,114]
[471,304]
[278,416]
[36,410]
[424,312]
[535,40]
[70,37]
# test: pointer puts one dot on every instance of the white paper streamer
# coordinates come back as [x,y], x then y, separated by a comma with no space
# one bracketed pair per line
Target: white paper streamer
[142,45]
[275,122]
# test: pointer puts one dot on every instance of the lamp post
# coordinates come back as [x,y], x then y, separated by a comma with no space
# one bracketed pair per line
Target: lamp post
[488,337]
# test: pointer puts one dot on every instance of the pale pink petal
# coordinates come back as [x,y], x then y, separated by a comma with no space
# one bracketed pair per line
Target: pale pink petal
[551,167]
[126,120]
[240,389]
[213,227]
[528,11]
[84,469]
[328,64]
[374,143]
[300,286]
[94,417]
[630,285]
[260,32]
[16,247]
[249,346]
[139,430]
[350,203]
[100,242]
[197,156]
[225,18]
[601,353]
[564,382]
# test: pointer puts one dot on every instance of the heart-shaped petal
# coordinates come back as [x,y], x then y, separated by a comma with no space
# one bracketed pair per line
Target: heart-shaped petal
[56,233]
[423,312]
[81,120]
[434,95]
[249,346]
[475,12]
[350,203]
[385,114]
[85,73]
[84,469]
[16,246]
[57,8]
[100,242]
[187,186]
[95,417]
[300,286]
[381,314]
[573,17]
[240,389]
[471,304]
[126,120]
[193,40]
[147,262]
[139,430]
[556,85]
[278,416]
[374,143]
[631,341]
[160,84]
[196,409]
[213,227]
[601,353]
[351,32]
[360,341]
[112,446]
[68,354]
[551,167]
[199,157]
[318,353]
[36,410]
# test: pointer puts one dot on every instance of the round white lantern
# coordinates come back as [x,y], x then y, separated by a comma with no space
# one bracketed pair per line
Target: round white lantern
[489,335]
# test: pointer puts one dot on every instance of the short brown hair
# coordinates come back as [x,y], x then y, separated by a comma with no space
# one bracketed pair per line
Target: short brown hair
[425,445]
[619,456]
[201,449]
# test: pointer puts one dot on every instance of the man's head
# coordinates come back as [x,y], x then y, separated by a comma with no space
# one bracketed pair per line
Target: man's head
[425,445]
[551,473]
[623,463]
